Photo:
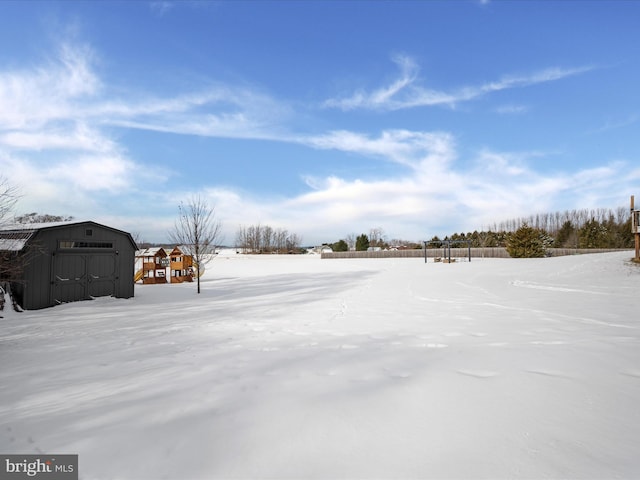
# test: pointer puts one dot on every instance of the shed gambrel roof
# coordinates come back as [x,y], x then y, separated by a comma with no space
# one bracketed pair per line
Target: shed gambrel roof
[14,237]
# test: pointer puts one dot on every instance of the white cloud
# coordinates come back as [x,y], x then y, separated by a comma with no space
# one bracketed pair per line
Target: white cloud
[95,173]
[405,92]
[31,99]
[75,137]
[426,201]
[503,164]
[404,147]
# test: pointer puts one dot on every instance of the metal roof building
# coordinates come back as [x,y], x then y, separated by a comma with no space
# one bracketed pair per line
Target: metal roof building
[65,262]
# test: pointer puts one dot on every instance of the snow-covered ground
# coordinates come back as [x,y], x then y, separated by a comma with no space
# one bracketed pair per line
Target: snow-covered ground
[297,367]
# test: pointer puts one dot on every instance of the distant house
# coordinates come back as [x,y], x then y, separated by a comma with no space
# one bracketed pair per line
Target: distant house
[69,261]
[319,249]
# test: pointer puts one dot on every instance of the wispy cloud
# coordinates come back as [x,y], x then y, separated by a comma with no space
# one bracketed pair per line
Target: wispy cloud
[161,8]
[384,95]
[76,137]
[618,123]
[57,103]
[511,109]
[407,92]
[215,111]
[30,99]
[404,147]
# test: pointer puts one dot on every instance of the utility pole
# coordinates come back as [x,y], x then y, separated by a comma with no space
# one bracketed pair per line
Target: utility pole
[635,228]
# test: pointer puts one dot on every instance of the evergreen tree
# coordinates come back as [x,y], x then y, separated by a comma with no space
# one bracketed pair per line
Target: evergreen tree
[527,242]
[624,235]
[566,235]
[593,234]
[620,235]
[362,242]
[340,246]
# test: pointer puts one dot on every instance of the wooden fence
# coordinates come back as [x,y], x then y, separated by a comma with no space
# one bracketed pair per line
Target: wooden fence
[463,253]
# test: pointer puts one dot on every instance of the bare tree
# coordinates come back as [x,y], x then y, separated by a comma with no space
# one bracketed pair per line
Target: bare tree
[293,242]
[35,217]
[11,244]
[265,239]
[8,198]
[255,234]
[197,230]
[351,241]
[376,237]
[241,239]
[280,240]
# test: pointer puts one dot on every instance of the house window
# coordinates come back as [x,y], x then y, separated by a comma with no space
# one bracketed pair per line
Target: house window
[89,232]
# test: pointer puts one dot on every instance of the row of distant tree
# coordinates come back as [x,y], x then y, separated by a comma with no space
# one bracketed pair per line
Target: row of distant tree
[376,238]
[585,228]
[266,239]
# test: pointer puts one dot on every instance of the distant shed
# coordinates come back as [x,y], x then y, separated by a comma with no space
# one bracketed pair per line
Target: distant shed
[69,262]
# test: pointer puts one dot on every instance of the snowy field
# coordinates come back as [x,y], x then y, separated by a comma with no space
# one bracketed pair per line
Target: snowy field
[297,367]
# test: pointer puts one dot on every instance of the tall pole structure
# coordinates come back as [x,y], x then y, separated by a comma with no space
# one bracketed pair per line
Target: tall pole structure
[635,219]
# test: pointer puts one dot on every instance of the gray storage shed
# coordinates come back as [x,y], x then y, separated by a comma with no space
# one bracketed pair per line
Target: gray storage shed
[66,262]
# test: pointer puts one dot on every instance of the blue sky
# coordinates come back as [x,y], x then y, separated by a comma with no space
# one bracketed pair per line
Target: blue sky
[330,118]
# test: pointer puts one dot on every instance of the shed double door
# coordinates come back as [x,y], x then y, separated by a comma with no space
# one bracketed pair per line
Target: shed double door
[79,276]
